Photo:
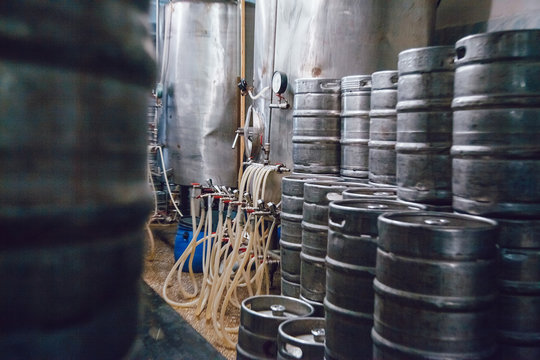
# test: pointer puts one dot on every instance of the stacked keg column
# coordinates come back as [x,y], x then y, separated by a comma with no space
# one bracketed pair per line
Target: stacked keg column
[434,287]
[382,128]
[350,270]
[292,202]
[317,196]
[316,126]
[496,169]
[424,125]
[355,104]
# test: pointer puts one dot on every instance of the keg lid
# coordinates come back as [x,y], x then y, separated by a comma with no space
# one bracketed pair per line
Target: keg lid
[262,314]
[317,85]
[365,192]
[294,184]
[302,338]
[437,235]
[497,46]
[322,192]
[426,59]
[387,79]
[356,83]
[359,216]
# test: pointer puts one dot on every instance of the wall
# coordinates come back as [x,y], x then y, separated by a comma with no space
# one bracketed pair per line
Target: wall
[459,18]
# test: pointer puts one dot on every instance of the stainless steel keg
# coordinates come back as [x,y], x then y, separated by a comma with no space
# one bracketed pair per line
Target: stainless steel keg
[350,270]
[301,339]
[382,128]
[370,193]
[75,79]
[355,104]
[424,128]
[260,317]
[518,315]
[292,202]
[435,287]
[496,152]
[317,196]
[316,126]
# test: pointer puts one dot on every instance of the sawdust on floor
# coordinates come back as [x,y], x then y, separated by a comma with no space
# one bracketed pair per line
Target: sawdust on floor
[156,269]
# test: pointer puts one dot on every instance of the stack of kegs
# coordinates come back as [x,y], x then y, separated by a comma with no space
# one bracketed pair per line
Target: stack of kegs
[496,169]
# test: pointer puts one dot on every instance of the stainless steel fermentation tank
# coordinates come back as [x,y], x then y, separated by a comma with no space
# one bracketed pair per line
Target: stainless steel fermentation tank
[329,39]
[200,97]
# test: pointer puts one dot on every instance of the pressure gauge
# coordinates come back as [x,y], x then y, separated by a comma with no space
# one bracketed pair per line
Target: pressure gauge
[279,82]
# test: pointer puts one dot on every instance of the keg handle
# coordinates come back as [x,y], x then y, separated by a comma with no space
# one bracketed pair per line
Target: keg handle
[340,225]
[377,206]
[460,52]
[438,221]
[330,86]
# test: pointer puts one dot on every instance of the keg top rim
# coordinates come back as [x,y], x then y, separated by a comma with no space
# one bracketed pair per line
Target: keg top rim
[369,190]
[438,221]
[426,59]
[317,321]
[308,177]
[332,183]
[498,46]
[280,300]
[376,205]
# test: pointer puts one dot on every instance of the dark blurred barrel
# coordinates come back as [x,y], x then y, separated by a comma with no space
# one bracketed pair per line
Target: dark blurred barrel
[370,193]
[435,287]
[519,289]
[73,193]
[350,270]
[382,128]
[292,202]
[301,339]
[260,317]
[424,129]
[316,126]
[355,103]
[496,152]
[317,196]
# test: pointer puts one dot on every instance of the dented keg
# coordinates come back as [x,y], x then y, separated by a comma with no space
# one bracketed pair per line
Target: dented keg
[518,312]
[75,78]
[316,126]
[292,202]
[382,128]
[435,287]
[355,103]
[496,161]
[317,196]
[260,317]
[424,128]
[301,339]
[370,193]
[350,270]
